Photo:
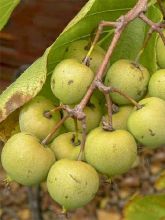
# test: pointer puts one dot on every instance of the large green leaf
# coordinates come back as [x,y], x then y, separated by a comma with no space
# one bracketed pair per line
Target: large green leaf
[146,208]
[6,8]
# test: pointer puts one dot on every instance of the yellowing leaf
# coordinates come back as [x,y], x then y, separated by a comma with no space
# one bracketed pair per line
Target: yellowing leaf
[150,207]
[160,183]
[9,126]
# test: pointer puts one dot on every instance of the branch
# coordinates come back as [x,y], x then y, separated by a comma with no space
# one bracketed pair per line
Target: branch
[157,27]
[119,26]
[56,127]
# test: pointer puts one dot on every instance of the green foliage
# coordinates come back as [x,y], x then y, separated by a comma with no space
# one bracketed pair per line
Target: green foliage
[6,8]
[146,208]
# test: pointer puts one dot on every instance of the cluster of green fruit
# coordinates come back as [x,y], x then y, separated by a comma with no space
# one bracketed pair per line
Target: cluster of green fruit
[74,183]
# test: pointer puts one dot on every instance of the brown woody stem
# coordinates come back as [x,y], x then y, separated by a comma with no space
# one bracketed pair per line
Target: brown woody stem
[58,125]
[76,140]
[109,108]
[157,27]
[149,34]
[84,134]
[138,106]
[48,114]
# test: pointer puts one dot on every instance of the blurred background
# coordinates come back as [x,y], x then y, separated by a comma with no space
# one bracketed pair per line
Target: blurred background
[34,26]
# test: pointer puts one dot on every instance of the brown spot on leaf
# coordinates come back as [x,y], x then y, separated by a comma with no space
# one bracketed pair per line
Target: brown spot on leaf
[16,100]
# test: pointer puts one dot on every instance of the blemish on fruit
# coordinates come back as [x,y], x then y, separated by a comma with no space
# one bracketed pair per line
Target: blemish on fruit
[151,132]
[76,180]
[70,82]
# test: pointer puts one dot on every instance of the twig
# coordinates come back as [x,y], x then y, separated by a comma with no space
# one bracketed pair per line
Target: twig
[97,36]
[58,125]
[138,106]
[155,26]
[149,34]
[48,114]
[108,89]
[76,140]
[109,126]
[84,134]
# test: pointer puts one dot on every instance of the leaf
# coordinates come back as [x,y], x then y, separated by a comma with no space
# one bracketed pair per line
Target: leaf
[148,58]
[130,42]
[150,207]
[9,126]
[160,183]
[6,8]
[24,88]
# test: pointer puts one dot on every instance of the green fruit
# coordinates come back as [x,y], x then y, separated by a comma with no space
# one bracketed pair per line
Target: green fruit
[64,145]
[93,116]
[25,160]
[111,153]
[119,119]
[157,84]
[148,123]
[79,49]
[72,184]
[70,81]
[33,121]
[130,79]
[160,51]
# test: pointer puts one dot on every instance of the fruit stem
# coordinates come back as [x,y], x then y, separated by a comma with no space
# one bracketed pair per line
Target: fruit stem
[138,106]
[48,114]
[97,36]
[149,34]
[109,109]
[84,134]
[76,140]
[157,27]
[58,125]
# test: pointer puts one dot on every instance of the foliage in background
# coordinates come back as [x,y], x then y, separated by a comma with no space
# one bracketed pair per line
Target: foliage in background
[150,207]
